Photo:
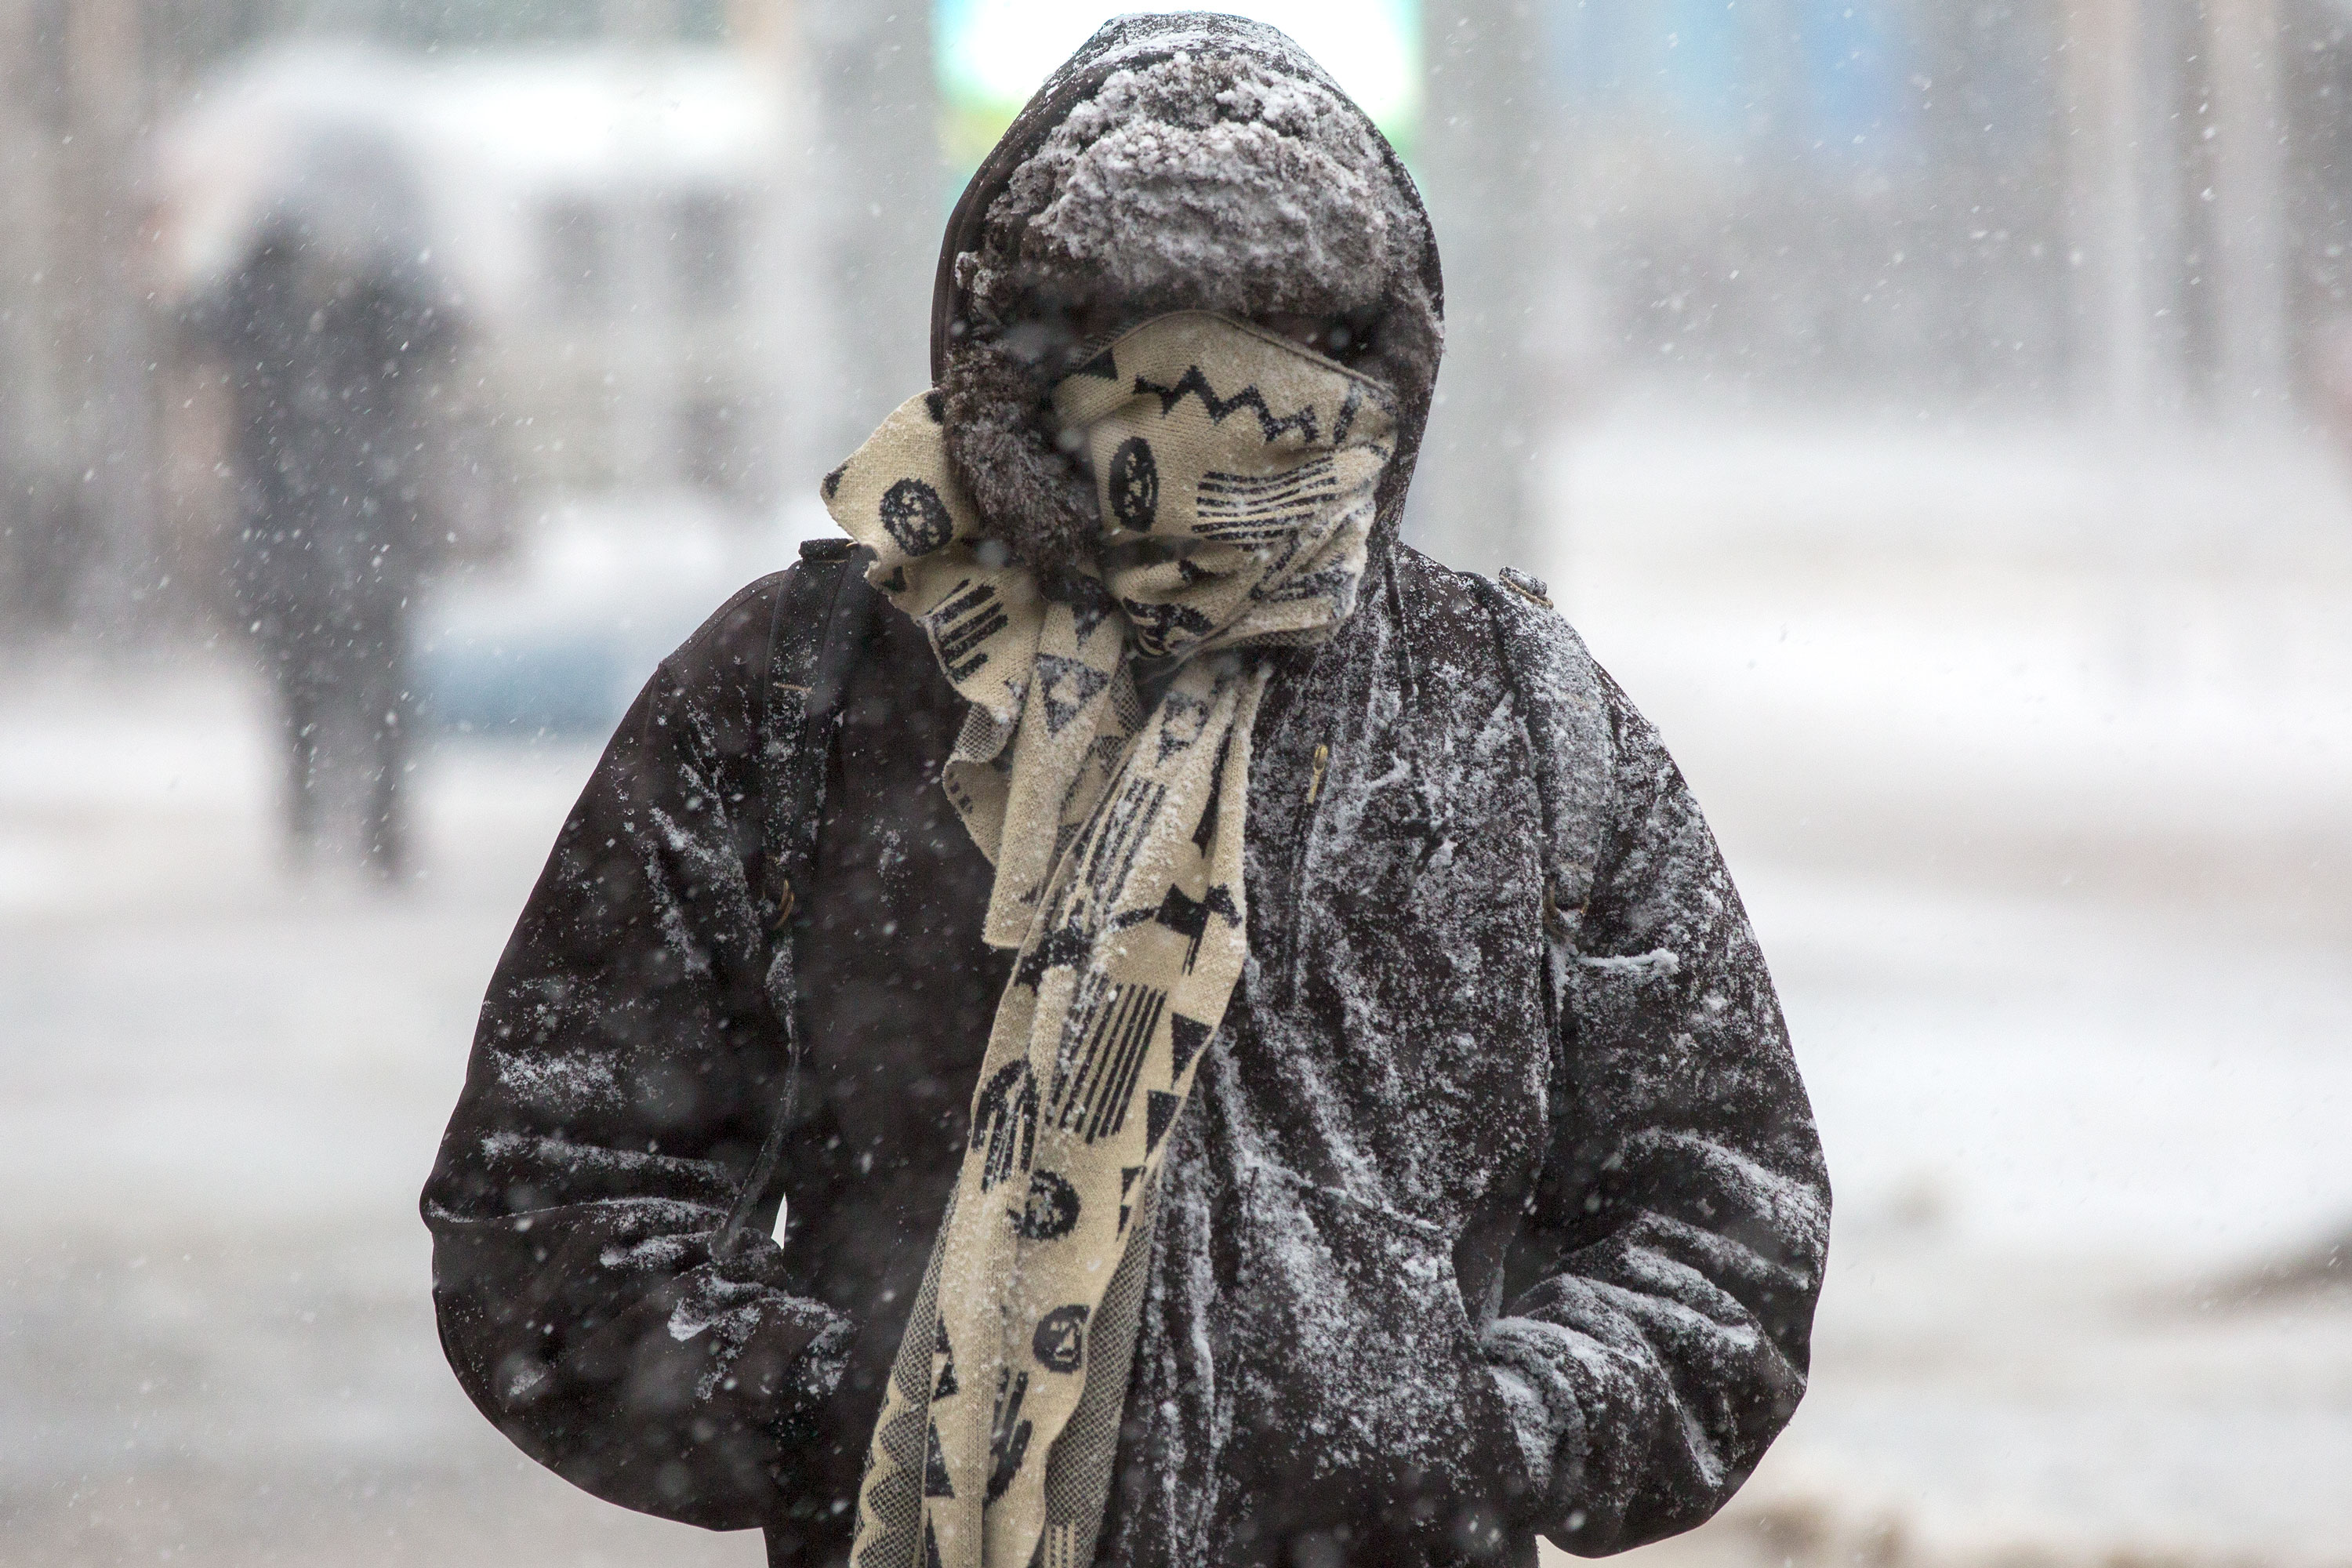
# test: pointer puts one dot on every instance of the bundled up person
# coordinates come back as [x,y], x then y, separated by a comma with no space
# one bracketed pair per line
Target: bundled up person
[1126,1016]
[329,333]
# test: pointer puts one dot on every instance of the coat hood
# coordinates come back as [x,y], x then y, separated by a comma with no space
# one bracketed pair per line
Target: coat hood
[1187,160]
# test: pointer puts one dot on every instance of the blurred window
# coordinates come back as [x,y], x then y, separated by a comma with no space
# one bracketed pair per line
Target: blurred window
[706,435]
[700,21]
[47,75]
[432,24]
[706,251]
[575,241]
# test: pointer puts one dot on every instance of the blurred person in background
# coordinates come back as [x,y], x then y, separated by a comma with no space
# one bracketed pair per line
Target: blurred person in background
[1120,1015]
[329,333]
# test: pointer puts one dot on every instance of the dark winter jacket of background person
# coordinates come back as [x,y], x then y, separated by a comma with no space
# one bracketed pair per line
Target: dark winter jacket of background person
[327,334]
[325,347]
[1497,1209]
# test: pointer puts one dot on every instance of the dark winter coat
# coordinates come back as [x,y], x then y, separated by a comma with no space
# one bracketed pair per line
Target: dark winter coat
[1503,1084]
[327,370]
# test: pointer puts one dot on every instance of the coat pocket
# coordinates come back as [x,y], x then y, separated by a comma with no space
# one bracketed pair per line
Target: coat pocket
[1362,1405]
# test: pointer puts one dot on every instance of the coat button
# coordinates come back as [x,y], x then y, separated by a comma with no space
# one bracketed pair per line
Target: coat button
[1555,923]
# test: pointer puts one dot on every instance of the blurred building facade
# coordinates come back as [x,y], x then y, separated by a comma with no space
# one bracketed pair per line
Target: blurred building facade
[78,83]
[600,211]
[2132,209]
[608,189]
[700,232]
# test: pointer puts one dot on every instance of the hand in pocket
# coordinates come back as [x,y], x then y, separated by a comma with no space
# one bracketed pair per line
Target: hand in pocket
[1358,1387]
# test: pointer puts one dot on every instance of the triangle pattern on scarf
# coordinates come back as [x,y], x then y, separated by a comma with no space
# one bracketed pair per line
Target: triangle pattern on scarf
[935,1470]
[1159,1110]
[945,1387]
[1187,1036]
[1065,686]
[1126,1182]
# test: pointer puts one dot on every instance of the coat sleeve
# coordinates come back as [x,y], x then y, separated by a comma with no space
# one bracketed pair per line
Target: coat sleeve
[1662,1291]
[626,1069]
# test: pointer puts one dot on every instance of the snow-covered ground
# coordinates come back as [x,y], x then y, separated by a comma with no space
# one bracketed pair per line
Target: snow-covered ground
[2034,758]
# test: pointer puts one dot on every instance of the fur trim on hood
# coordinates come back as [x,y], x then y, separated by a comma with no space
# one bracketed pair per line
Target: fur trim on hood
[1179,162]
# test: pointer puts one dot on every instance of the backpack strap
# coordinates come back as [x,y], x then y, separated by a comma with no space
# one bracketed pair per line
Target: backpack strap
[813,640]
[814,637]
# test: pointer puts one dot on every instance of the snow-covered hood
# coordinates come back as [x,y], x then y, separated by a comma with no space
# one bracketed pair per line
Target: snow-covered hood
[1186,160]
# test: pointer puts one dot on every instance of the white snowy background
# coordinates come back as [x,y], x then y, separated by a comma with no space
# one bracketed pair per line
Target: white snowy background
[2029,743]
[2033,756]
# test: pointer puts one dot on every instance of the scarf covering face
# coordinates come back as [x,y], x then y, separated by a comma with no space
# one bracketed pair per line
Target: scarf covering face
[1236,474]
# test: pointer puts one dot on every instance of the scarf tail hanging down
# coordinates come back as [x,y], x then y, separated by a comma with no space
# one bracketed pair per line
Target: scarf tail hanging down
[1236,473]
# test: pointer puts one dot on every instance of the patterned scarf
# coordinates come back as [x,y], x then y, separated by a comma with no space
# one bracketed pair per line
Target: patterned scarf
[1236,474]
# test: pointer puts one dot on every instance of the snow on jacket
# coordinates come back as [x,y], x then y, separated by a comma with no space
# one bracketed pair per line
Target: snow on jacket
[1498,1210]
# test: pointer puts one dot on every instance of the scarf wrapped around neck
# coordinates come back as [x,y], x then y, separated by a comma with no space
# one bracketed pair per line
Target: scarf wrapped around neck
[1236,473]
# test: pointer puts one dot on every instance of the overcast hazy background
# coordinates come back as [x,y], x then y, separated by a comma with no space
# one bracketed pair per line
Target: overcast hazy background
[1937,416]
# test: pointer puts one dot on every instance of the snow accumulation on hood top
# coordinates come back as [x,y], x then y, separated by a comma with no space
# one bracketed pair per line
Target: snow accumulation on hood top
[1183,162]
